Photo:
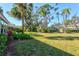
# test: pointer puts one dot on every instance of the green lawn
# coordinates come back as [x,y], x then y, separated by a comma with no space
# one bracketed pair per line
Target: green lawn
[49,44]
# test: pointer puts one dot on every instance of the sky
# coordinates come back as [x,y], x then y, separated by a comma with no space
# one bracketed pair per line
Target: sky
[7,6]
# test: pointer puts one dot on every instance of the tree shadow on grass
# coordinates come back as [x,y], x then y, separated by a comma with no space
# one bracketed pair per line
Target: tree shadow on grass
[37,48]
[62,38]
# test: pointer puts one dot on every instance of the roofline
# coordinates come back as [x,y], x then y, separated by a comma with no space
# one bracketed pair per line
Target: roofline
[4,19]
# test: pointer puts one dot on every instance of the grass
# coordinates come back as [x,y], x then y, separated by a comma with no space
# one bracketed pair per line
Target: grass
[58,44]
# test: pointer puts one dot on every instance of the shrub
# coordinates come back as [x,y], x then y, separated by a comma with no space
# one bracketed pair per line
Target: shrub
[45,30]
[50,30]
[3,42]
[2,49]
[17,30]
[68,31]
[55,30]
[21,36]
[3,39]
[71,31]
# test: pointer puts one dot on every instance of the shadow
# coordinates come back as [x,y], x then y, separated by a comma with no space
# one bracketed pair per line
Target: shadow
[37,48]
[62,38]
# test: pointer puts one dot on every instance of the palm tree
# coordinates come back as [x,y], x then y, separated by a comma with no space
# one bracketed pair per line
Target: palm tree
[19,11]
[23,12]
[66,13]
[1,10]
[22,9]
[14,13]
[57,13]
[44,11]
[29,19]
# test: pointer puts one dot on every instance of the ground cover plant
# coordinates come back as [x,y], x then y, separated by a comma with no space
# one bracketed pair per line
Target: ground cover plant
[3,44]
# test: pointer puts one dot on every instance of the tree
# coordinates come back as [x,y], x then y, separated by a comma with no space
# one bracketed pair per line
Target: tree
[66,13]
[22,10]
[45,13]
[58,16]
[29,17]
[75,21]
[25,13]
[1,10]
[57,13]
[14,13]
[19,11]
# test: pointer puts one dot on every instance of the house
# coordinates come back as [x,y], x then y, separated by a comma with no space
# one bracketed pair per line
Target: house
[3,23]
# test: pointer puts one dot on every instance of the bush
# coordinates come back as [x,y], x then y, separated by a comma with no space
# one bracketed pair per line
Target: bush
[71,31]
[17,30]
[68,31]
[21,36]
[50,30]
[53,30]
[3,42]
[2,49]
[3,39]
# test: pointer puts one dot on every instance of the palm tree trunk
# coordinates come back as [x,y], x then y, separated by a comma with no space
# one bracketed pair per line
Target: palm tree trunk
[58,18]
[26,24]
[45,21]
[64,17]
[22,24]
[63,20]
[75,26]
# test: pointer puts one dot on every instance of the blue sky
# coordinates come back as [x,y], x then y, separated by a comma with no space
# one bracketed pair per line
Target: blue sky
[7,6]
